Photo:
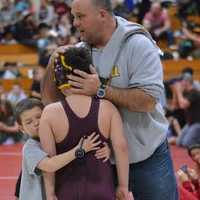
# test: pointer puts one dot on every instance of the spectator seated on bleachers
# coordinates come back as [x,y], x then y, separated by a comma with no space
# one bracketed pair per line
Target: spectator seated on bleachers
[16,94]
[179,85]
[187,7]
[7,36]
[46,12]
[191,132]
[182,109]
[189,179]
[43,36]
[7,13]
[10,71]
[25,30]
[38,75]
[61,7]
[9,132]
[190,44]
[158,23]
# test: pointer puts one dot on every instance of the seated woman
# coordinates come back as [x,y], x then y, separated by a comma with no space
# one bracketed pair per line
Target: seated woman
[9,131]
[64,122]
[190,134]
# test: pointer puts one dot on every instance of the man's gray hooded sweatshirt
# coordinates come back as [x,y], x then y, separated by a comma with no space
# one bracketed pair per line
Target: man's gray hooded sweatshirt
[131,58]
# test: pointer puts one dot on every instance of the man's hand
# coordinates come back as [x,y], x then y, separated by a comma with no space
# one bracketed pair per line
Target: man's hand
[103,153]
[84,83]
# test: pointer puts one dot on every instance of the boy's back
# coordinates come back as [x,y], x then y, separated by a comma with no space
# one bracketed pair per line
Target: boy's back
[80,105]
[79,116]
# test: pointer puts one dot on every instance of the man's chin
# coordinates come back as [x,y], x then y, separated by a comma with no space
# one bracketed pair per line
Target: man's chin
[83,39]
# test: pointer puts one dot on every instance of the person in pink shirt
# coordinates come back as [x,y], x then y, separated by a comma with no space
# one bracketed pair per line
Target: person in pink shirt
[157,22]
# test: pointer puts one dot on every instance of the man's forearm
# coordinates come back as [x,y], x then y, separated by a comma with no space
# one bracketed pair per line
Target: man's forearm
[135,100]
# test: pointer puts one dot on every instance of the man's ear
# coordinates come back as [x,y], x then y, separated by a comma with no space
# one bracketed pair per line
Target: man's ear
[103,13]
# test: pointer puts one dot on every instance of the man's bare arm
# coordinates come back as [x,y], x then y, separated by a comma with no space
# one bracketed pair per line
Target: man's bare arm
[135,100]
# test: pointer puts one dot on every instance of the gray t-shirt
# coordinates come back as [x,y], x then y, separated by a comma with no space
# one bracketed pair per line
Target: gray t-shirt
[32,187]
[137,65]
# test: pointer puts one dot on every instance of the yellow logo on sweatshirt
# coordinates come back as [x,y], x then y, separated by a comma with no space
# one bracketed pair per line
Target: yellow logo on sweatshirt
[115,72]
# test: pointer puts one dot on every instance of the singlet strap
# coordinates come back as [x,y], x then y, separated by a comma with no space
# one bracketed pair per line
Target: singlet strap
[68,111]
[92,114]
[94,111]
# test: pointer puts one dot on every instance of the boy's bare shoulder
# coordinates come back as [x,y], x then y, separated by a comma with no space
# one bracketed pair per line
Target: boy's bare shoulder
[105,104]
[53,107]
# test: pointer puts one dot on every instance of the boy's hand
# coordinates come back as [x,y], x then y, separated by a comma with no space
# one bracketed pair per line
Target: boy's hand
[91,143]
[130,196]
[182,176]
[53,197]
[122,193]
[103,153]
[193,175]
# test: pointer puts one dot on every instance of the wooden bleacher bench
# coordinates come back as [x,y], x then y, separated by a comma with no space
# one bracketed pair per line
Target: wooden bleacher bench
[175,22]
[173,68]
[194,18]
[16,49]
[24,82]
[26,70]
[26,59]
[18,53]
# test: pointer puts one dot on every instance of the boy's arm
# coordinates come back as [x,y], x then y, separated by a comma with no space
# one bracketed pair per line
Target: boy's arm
[52,164]
[120,148]
[48,144]
[58,161]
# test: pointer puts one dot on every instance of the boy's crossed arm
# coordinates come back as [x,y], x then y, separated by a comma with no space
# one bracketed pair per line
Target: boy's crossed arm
[52,164]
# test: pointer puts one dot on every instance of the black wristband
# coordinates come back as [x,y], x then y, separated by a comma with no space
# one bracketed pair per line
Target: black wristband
[80,152]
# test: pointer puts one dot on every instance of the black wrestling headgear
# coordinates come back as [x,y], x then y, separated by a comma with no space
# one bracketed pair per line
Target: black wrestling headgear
[74,58]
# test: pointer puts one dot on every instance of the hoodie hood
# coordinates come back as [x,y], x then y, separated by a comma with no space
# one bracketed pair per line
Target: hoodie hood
[124,30]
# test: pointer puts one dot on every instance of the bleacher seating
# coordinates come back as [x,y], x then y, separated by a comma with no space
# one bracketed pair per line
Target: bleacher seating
[16,49]
[25,83]
[21,54]
[173,68]
[26,59]
[18,53]
[175,22]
